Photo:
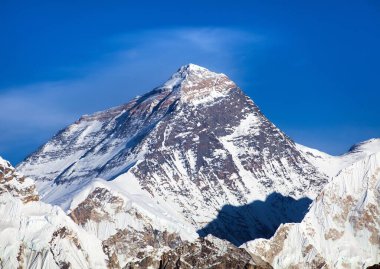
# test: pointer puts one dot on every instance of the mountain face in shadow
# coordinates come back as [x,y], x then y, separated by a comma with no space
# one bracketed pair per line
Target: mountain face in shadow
[259,219]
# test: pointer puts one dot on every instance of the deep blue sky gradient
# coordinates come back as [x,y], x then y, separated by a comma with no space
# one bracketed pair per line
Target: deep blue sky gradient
[313,67]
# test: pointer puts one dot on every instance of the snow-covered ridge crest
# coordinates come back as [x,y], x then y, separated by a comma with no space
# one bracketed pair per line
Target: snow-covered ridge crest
[369,146]
[332,165]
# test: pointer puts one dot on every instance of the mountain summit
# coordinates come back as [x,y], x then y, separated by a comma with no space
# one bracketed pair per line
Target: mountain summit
[195,84]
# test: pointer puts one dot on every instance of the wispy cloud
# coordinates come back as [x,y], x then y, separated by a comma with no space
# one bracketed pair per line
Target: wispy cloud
[142,61]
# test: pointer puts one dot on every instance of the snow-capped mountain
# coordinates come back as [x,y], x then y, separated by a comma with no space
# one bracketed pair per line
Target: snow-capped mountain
[193,145]
[342,227]
[195,156]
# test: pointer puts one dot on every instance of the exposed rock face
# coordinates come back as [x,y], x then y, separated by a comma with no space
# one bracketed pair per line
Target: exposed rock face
[92,208]
[204,253]
[129,246]
[341,229]
[195,143]
[16,184]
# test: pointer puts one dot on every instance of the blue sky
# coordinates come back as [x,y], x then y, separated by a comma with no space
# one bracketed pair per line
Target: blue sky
[312,66]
